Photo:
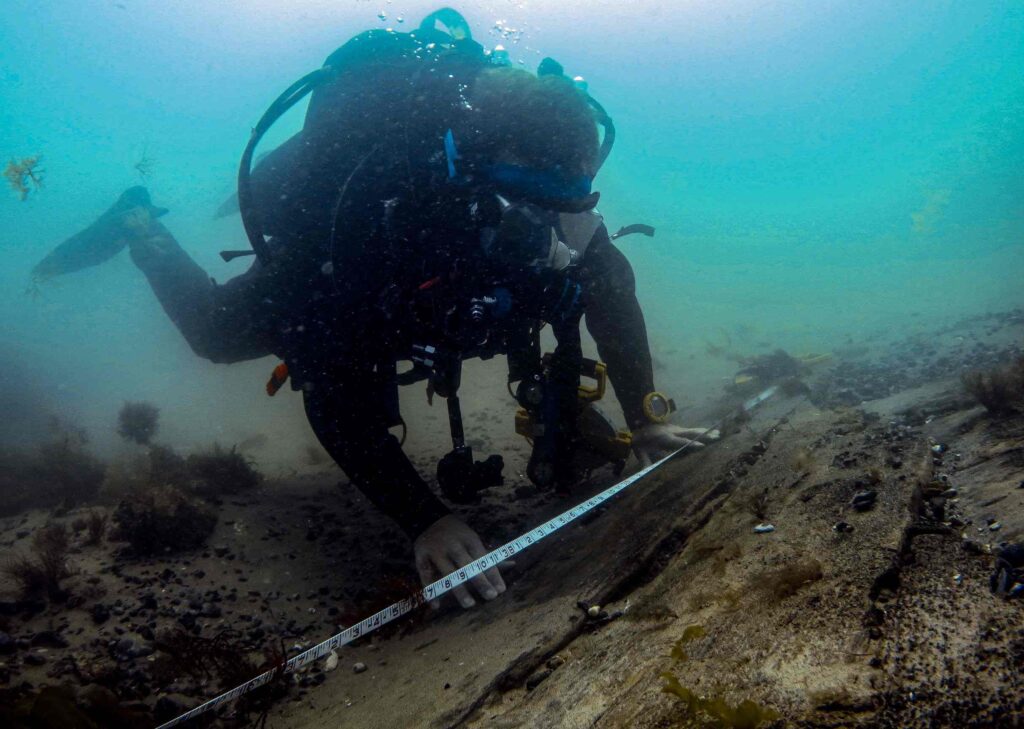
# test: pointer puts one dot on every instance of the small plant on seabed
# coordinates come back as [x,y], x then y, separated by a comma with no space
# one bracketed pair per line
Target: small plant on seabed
[42,571]
[1000,390]
[138,422]
[219,471]
[95,527]
[713,711]
[225,662]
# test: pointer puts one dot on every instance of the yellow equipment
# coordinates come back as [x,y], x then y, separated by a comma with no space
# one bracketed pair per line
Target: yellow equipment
[598,441]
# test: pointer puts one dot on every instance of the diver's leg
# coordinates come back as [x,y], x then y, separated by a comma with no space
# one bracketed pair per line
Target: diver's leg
[218,322]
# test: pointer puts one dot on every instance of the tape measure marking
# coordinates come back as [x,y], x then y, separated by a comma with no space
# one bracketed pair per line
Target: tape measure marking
[444,585]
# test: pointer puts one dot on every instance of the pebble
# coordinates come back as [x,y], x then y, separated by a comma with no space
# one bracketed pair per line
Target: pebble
[332,661]
[49,639]
[594,610]
[7,644]
[864,500]
[100,613]
[995,526]
[842,527]
[359,667]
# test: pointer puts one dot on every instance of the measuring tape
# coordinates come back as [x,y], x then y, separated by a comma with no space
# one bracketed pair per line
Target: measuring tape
[447,583]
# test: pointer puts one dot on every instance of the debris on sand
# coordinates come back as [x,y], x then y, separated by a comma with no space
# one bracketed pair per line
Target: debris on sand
[138,422]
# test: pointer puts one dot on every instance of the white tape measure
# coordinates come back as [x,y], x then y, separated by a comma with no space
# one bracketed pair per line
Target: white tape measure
[443,585]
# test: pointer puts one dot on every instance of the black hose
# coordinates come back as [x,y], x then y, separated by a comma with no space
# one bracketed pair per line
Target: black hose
[291,96]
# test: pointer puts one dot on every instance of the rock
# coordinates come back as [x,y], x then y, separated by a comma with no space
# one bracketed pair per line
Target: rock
[525,492]
[536,679]
[209,610]
[995,526]
[48,639]
[555,662]
[168,707]
[187,619]
[972,546]
[842,527]
[359,667]
[95,697]
[7,644]
[764,528]
[864,500]
[332,661]
[34,659]
[593,611]
[221,550]
[100,613]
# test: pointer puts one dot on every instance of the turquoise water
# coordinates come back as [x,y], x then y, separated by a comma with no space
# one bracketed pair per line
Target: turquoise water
[817,172]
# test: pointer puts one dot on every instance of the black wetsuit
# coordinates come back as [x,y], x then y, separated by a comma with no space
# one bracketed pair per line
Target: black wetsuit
[361,215]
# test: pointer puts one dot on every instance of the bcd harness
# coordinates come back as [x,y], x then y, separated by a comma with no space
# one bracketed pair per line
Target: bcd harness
[542,223]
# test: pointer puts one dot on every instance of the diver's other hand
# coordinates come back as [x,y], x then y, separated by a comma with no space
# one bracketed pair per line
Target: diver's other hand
[656,440]
[448,544]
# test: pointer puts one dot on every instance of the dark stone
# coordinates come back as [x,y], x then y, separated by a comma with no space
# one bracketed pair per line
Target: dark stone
[167,708]
[221,550]
[100,613]
[188,619]
[34,659]
[48,639]
[536,679]
[7,644]
[864,500]
[210,610]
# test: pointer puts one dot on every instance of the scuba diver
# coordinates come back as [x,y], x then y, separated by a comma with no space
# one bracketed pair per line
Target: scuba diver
[436,206]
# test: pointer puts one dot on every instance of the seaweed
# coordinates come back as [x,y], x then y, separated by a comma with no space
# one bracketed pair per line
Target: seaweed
[20,174]
[224,660]
[714,710]
[756,503]
[42,571]
[138,422]
[60,472]
[1000,390]
[96,527]
[162,519]
[220,471]
[692,633]
[144,167]
[790,579]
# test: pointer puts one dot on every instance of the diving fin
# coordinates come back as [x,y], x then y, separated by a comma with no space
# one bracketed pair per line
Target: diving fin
[634,228]
[130,215]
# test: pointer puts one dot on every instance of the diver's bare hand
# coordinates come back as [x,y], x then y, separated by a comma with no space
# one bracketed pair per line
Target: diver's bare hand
[655,441]
[448,544]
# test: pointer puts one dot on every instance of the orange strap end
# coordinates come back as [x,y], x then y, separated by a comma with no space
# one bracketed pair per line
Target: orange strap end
[277,379]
